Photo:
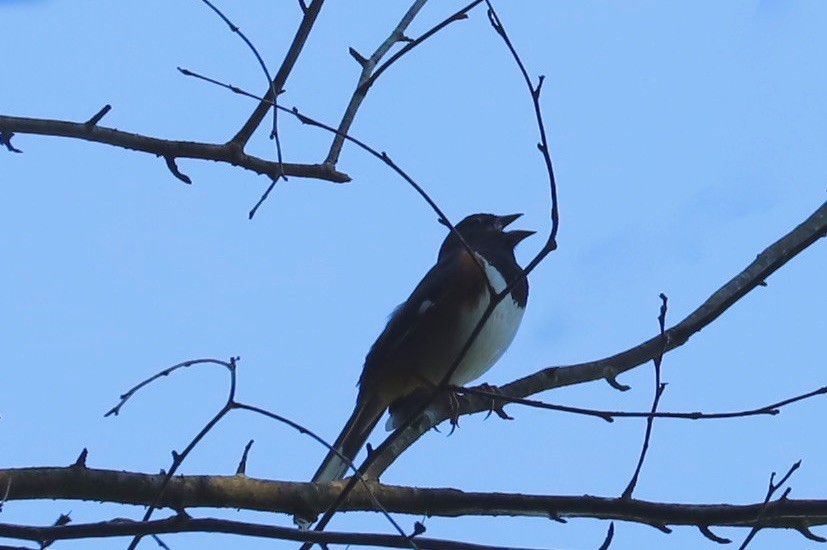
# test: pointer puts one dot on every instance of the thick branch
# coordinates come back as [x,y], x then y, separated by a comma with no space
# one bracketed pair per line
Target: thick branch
[168,149]
[80,483]
[767,262]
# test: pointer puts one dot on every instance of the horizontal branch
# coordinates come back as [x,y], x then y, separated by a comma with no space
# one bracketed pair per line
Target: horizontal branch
[184,524]
[754,275]
[168,149]
[242,492]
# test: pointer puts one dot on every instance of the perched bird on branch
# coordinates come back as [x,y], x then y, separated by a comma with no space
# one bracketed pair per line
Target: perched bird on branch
[425,335]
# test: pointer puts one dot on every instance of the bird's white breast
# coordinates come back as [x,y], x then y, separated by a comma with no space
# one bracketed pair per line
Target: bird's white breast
[496,334]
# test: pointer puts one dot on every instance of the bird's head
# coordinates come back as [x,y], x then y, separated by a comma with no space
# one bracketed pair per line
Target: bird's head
[485,232]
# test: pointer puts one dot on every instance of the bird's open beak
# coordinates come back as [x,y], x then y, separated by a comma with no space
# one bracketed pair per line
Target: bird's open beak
[506,220]
[516,235]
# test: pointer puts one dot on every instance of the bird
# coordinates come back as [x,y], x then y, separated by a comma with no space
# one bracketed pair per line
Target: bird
[425,334]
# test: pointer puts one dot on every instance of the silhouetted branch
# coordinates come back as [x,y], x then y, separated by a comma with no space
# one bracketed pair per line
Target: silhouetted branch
[242,492]
[659,388]
[767,262]
[370,72]
[164,148]
[183,524]
[772,488]
[230,404]
[772,409]
[311,12]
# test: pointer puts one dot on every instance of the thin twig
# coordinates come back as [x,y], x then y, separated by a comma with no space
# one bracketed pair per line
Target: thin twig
[308,20]
[229,405]
[771,409]
[659,387]
[179,458]
[459,15]
[368,64]
[772,487]
[98,116]
[114,411]
[357,477]
[178,524]
[274,93]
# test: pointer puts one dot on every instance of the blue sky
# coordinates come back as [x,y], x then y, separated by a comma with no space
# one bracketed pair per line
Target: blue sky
[686,136]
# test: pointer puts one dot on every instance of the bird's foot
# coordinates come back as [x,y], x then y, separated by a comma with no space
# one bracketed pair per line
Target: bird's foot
[496,405]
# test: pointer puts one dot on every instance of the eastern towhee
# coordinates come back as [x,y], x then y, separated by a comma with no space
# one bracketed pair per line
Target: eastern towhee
[426,333]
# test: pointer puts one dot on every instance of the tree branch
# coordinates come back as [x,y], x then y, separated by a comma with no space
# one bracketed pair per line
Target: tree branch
[239,491]
[167,149]
[269,98]
[767,262]
[370,72]
[184,524]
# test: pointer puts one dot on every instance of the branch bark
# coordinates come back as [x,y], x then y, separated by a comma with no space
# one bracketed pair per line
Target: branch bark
[242,492]
[167,149]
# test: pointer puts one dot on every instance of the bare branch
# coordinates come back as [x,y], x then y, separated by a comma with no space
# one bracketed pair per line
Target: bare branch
[178,524]
[772,488]
[311,12]
[368,64]
[226,152]
[459,15]
[99,115]
[659,388]
[767,262]
[274,133]
[68,483]
[771,409]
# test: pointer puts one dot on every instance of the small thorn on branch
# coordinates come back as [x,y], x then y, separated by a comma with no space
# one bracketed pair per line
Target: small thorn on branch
[81,460]
[92,122]
[5,140]
[612,380]
[554,516]
[705,531]
[252,213]
[174,169]
[360,59]
[242,465]
[806,533]
[610,533]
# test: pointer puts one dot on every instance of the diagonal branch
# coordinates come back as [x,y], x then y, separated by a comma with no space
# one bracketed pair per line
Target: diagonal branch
[309,19]
[368,64]
[165,148]
[767,262]
[370,72]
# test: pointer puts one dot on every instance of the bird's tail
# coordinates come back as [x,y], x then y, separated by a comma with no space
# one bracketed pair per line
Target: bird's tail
[354,435]
[351,440]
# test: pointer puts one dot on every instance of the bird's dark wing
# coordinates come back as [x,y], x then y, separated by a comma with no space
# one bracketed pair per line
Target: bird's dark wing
[428,315]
